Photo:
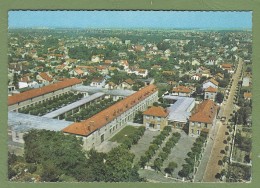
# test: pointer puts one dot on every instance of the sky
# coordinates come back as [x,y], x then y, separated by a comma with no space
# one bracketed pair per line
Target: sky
[131,19]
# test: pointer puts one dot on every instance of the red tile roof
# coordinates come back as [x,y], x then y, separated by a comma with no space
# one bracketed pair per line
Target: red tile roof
[157,111]
[45,76]
[43,90]
[205,113]
[211,89]
[227,66]
[102,118]
[247,95]
[181,89]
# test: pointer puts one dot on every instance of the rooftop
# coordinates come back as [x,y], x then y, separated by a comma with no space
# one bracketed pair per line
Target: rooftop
[104,117]
[25,122]
[41,91]
[211,89]
[157,111]
[181,89]
[180,110]
[114,92]
[205,112]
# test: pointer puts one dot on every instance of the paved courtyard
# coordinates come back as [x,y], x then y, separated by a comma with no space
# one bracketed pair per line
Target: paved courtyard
[143,144]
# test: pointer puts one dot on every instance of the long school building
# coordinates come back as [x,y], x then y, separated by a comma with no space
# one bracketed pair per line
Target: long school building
[39,95]
[108,122]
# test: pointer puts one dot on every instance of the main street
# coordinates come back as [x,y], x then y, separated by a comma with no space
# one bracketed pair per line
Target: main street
[212,167]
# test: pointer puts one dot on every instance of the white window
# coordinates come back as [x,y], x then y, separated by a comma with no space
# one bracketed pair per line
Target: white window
[158,119]
[147,117]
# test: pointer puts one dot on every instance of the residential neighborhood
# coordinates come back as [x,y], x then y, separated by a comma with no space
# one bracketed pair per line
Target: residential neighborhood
[156,105]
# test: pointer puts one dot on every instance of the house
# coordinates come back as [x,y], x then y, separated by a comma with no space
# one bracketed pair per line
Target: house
[44,77]
[182,91]
[95,59]
[110,85]
[127,84]
[108,62]
[227,67]
[203,71]
[246,82]
[155,117]
[211,82]
[247,95]
[77,72]
[196,77]
[219,76]
[203,118]
[210,93]
[195,62]
[102,69]
[125,64]
[98,82]
[210,61]
[141,72]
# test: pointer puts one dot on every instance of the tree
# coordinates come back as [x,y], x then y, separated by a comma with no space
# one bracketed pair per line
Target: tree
[143,160]
[119,166]
[171,167]
[158,164]
[138,117]
[219,97]
[55,151]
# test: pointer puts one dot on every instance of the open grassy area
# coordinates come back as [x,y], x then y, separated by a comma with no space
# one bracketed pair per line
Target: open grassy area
[123,134]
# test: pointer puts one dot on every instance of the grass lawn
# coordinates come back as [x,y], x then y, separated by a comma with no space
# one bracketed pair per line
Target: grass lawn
[123,134]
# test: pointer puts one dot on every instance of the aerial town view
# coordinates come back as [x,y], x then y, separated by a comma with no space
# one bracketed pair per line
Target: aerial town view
[129,96]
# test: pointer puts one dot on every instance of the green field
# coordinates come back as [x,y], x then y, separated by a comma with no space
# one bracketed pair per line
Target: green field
[124,134]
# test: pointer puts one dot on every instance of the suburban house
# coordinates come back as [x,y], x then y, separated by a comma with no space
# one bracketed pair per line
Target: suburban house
[228,67]
[127,84]
[246,82]
[247,95]
[155,117]
[98,82]
[219,76]
[203,119]
[44,77]
[77,72]
[181,91]
[210,93]
[211,82]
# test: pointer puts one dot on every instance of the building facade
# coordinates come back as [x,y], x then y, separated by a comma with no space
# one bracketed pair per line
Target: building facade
[155,118]
[203,119]
[110,121]
[39,95]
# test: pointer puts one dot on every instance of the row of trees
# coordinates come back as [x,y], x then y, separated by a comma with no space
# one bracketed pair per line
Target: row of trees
[166,150]
[51,105]
[52,156]
[92,109]
[134,138]
[193,156]
[154,146]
